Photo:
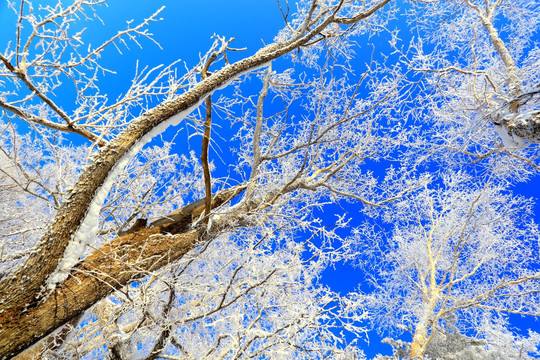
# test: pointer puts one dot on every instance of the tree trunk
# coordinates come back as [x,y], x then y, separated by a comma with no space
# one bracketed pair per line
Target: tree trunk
[109,268]
[420,337]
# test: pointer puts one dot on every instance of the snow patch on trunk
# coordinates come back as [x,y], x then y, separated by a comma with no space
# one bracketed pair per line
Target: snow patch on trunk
[510,141]
[89,226]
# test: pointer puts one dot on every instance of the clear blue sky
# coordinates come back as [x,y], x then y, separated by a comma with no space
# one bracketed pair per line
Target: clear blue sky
[185,33]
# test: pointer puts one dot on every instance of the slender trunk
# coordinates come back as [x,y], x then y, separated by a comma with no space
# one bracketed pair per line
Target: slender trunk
[514,84]
[204,158]
[424,328]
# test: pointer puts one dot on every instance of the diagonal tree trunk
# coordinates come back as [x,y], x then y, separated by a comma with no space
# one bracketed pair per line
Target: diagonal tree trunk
[27,313]
[109,268]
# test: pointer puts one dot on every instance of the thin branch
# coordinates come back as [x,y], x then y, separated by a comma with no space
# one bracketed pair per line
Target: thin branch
[24,115]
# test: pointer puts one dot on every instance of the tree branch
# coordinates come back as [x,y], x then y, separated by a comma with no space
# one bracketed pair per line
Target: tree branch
[52,125]
[109,268]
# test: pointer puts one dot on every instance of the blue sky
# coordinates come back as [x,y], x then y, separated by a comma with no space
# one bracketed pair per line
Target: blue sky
[185,33]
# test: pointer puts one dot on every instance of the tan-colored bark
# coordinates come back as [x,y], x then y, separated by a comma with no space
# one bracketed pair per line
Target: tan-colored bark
[25,313]
[421,336]
[486,17]
[418,344]
[108,269]
[126,258]
[51,342]
[424,330]
[511,69]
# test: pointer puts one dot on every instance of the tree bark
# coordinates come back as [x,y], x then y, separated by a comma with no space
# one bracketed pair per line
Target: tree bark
[109,268]
[26,313]
[420,337]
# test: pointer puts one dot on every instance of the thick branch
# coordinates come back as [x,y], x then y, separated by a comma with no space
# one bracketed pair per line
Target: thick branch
[509,64]
[22,288]
[109,268]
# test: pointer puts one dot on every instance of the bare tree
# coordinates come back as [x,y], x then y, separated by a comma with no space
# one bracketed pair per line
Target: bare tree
[458,257]
[56,266]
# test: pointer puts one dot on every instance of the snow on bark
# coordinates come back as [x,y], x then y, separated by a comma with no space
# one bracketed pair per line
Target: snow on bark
[518,129]
[509,140]
[89,226]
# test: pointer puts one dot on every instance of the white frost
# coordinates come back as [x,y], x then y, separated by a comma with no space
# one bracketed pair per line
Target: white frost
[510,141]
[89,226]
[8,167]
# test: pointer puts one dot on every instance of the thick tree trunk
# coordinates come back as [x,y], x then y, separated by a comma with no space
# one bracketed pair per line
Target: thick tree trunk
[109,268]
[25,313]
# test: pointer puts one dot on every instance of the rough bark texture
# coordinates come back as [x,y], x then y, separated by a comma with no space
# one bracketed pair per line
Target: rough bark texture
[523,125]
[25,314]
[125,259]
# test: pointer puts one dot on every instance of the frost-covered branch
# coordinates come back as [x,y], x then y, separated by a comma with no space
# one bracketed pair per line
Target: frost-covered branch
[75,224]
